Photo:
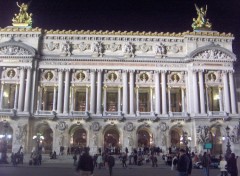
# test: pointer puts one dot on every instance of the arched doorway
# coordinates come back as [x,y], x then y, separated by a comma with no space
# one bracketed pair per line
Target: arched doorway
[6,133]
[215,139]
[47,137]
[144,137]
[79,138]
[111,140]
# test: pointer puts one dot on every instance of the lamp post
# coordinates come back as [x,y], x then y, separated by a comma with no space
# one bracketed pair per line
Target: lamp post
[228,151]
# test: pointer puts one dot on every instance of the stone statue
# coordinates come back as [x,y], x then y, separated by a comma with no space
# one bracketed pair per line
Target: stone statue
[95,139]
[130,140]
[60,140]
[66,49]
[23,18]
[201,22]
[21,132]
[164,139]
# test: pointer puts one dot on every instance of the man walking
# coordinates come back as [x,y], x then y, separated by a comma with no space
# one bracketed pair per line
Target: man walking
[183,163]
[206,163]
[111,163]
[85,164]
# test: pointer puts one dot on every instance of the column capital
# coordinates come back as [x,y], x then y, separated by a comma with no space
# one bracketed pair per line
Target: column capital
[60,70]
[131,71]
[124,71]
[195,70]
[67,69]
[163,71]
[157,71]
[99,70]
[231,71]
[201,70]
[92,70]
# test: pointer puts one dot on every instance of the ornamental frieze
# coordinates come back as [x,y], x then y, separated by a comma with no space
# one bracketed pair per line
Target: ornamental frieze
[51,46]
[212,54]
[14,51]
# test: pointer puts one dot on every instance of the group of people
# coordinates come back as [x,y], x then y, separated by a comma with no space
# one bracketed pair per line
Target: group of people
[85,165]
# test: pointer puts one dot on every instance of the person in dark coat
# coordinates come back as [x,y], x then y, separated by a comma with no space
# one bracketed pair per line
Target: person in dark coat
[190,164]
[183,163]
[85,163]
[111,162]
[232,165]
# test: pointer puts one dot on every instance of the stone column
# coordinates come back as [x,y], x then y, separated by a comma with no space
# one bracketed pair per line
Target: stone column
[92,96]
[232,93]
[137,100]
[195,92]
[27,91]
[151,100]
[15,97]
[207,99]
[54,98]
[125,92]
[131,92]
[1,96]
[21,90]
[226,93]
[105,99]
[157,93]
[119,100]
[183,99]
[169,100]
[99,92]
[201,89]
[39,107]
[164,97]
[220,99]
[60,91]
[66,92]
[87,99]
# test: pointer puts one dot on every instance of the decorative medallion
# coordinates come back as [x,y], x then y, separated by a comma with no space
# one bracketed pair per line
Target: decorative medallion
[61,126]
[95,126]
[80,76]
[48,76]
[175,78]
[212,77]
[112,76]
[144,77]
[129,126]
[163,126]
[11,73]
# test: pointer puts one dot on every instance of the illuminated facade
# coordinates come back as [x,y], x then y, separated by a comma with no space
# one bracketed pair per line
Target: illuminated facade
[117,89]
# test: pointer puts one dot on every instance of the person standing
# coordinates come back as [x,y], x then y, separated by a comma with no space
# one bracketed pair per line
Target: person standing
[222,167]
[232,165]
[124,160]
[206,163]
[111,163]
[238,165]
[100,161]
[85,163]
[183,164]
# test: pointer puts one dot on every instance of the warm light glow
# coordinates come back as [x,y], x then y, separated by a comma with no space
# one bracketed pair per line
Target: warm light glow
[5,94]
[216,97]
[1,136]
[189,138]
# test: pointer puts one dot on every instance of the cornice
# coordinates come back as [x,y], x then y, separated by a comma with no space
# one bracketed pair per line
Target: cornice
[16,29]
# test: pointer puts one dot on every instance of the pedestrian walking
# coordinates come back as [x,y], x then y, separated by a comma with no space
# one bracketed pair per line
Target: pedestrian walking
[222,166]
[206,163]
[75,159]
[111,163]
[99,161]
[232,165]
[124,160]
[182,164]
[85,163]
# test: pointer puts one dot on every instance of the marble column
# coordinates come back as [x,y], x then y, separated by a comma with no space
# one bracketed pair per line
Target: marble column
[87,99]
[169,100]
[151,100]
[1,96]
[66,92]
[16,97]
[232,93]
[60,91]
[119,100]
[157,93]
[21,94]
[99,91]
[105,99]
[54,98]
[40,90]
[125,91]
[131,91]
[92,95]
[27,91]
[201,89]
[137,100]
[195,92]
[183,99]
[226,93]
[220,99]
[164,97]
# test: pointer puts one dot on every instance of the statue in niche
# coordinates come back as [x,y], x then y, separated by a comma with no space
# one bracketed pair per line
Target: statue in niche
[160,50]
[130,140]
[95,139]
[164,139]
[66,49]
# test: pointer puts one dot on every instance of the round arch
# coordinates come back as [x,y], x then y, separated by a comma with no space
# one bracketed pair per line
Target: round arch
[6,134]
[215,139]
[111,139]
[144,136]
[78,137]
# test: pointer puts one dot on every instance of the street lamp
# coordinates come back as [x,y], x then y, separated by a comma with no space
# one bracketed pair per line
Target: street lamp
[228,151]
[39,138]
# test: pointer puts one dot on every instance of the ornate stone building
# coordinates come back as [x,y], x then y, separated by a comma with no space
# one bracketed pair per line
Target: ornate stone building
[117,89]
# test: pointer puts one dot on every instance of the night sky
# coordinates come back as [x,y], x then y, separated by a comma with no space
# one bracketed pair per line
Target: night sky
[141,15]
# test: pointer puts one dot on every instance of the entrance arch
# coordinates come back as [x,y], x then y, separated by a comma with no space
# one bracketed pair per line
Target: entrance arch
[111,139]
[78,137]
[144,137]
[215,139]
[45,130]
[177,138]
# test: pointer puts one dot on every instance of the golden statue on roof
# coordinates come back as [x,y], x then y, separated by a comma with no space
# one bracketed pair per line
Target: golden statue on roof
[201,23]
[23,18]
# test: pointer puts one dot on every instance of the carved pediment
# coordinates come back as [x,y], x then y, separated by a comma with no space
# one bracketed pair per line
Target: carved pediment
[14,48]
[213,53]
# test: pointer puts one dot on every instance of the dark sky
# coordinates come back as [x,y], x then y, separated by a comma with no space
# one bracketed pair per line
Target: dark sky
[129,15]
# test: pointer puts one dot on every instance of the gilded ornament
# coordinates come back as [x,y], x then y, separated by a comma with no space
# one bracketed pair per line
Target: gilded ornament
[201,23]
[23,18]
